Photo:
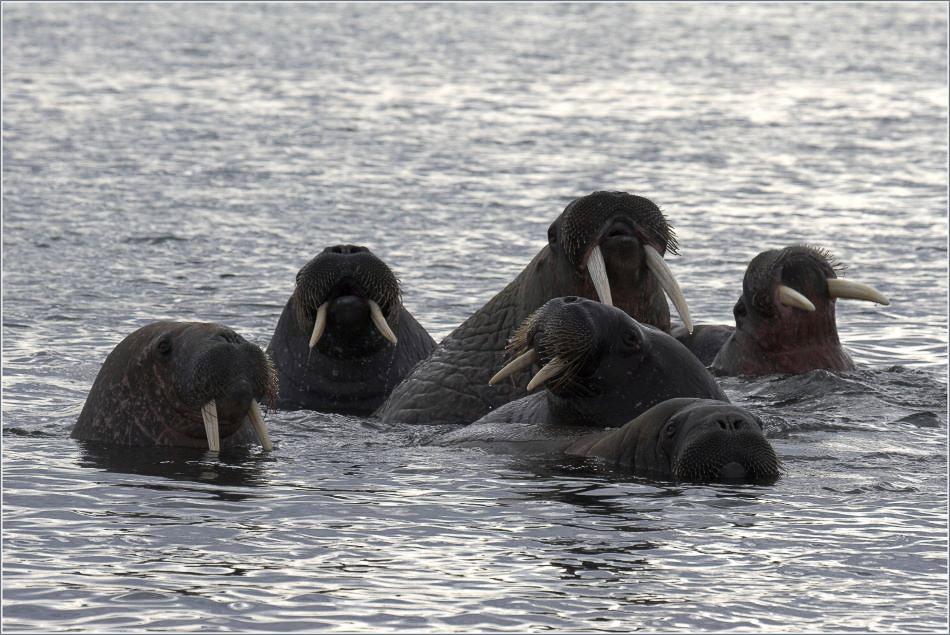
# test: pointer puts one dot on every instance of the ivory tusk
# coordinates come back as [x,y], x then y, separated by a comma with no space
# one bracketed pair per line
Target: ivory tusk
[838,288]
[209,412]
[318,325]
[380,322]
[552,368]
[523,361]
[257,421]
[661,270]
[790,297]
[598,275]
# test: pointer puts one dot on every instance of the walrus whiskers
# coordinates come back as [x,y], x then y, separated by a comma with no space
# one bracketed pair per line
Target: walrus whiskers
[209,412]
[319,324]
[838,288]
[257,421]
[661,270]
[790,297]
[380,322]
[598,275]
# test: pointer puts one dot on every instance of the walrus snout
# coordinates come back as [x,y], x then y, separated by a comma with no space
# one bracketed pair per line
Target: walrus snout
[340,271]
[350,310]
[726,450]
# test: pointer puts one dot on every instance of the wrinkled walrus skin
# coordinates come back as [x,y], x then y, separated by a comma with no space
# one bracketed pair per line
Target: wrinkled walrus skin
[333,348]
[154,384]
[617,234]
[785,317]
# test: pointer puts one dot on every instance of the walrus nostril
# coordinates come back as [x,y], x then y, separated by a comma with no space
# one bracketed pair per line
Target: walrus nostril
[732,425]
[346,250]
[231,337]
[570,298]
[733,470]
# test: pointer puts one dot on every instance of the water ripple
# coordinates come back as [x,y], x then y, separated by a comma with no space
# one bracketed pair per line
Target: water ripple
[183,165]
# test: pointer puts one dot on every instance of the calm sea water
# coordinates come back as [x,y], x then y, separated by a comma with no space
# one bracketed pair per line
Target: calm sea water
[182,162]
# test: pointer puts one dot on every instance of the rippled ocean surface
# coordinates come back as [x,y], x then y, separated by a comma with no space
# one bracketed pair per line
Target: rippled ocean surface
[182,162]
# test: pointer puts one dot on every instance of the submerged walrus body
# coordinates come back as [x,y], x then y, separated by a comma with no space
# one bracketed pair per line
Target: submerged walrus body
[785,318]
[344,339]
[601,369]
[606,246]
[696,440]
[188,384]
[682,439]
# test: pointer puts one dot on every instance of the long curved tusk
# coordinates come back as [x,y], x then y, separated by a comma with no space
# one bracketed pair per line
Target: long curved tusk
[525,360]
[661,270]
[838,288]
[552,368]
[790,297]
[319,324]
[598,275]
[257,421]
[209,412]
[380,322]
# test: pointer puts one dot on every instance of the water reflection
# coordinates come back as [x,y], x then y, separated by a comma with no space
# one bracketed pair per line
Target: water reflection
[142,182]
[232,467]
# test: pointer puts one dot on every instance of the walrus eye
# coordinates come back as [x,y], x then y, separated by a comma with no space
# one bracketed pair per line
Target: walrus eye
[740,310]
[164,346]
[552,235]
[671,430]
[630,339]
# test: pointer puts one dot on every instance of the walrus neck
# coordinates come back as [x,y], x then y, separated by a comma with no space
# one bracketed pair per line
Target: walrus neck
[750,355]
[489,328]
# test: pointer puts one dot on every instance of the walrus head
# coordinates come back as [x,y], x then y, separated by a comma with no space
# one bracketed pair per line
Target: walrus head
[601,366]
[688,439]
[179,383]
[785,318]
[615,242]
[348,301]
[713,441]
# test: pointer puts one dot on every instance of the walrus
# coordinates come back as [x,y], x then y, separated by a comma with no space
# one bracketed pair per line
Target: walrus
[344,338]
[605,246]
[680,439]
[597,364]
[190,384]
[785,317]
[683,439]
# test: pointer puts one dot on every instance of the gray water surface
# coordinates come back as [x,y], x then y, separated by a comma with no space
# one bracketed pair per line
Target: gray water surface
[182,162]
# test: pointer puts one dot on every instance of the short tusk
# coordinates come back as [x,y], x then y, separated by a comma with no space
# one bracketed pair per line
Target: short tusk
[209,412]
[257,420]
[598,275]
[523,361]
[380,322]
[319,324]
[552,368]
[661,270]
[790,297]
[838,288]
